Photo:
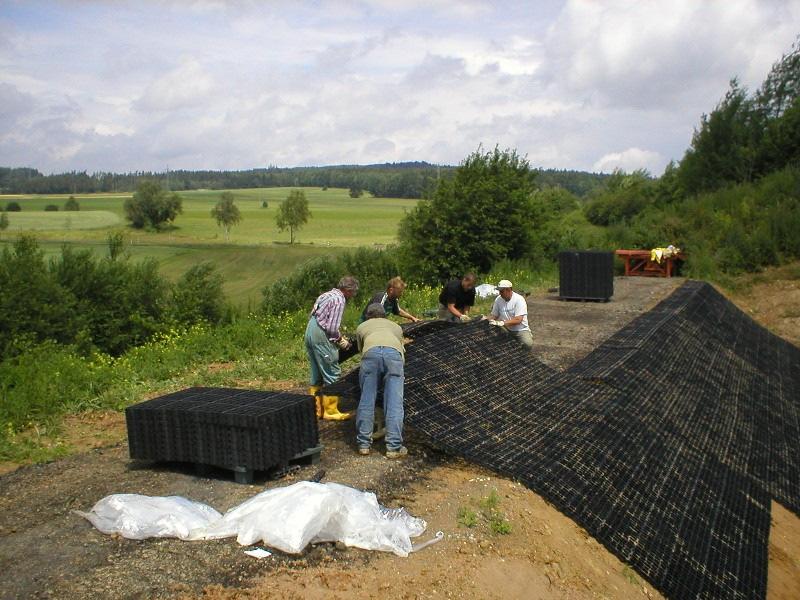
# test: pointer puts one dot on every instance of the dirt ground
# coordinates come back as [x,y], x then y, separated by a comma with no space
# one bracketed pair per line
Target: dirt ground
[46,551]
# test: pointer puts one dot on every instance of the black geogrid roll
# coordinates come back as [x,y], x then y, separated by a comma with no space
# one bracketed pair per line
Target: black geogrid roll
[667,443]
[223,427]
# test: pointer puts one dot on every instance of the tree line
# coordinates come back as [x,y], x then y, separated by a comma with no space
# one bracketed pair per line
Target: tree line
[391,180]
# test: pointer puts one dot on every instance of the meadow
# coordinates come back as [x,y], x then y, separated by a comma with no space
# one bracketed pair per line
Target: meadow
[256,254]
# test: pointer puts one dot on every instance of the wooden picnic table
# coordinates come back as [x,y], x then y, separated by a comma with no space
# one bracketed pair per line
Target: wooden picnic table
[638,263]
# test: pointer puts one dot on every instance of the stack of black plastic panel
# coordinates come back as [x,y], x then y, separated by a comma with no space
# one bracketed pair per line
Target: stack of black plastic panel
[223,427]
[586,275]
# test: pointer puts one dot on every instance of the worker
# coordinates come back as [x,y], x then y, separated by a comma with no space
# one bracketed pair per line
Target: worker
[456,298]
[323,340]
[511,311]
[389,300]
[382,356]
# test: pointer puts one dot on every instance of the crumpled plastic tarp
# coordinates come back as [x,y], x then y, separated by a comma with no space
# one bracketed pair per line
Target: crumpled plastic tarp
[287,518]
[138,517]
[485,290]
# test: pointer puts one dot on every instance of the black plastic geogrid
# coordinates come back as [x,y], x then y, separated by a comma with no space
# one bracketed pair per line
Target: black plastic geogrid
[667,443]
[223,427]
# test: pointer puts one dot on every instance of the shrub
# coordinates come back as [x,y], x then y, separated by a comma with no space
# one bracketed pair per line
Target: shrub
[297,291]
[71,204]
[51,208]
[197,296]
[13,206]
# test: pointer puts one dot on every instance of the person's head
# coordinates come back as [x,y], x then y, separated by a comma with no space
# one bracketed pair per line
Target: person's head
[348,286]
[505,288]
[395,287]
[468,281]
[375,311]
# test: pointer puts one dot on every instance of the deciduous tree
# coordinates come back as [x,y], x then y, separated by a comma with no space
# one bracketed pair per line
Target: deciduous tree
[226,213]
[484,214]
[293,213]
[151,206]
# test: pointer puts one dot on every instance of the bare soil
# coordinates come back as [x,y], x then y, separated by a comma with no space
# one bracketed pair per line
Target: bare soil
[48,552]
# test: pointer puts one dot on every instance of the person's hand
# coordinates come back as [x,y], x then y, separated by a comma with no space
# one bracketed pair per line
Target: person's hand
[464,318]
[496,323]
[343,343]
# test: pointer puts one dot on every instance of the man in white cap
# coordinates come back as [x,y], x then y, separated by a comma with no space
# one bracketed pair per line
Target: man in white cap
[511,311]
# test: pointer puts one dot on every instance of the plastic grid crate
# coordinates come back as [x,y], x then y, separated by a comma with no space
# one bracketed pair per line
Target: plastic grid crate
[223,427]
[586,275]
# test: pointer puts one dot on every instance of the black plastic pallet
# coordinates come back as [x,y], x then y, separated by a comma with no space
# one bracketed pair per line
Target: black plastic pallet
[231,428]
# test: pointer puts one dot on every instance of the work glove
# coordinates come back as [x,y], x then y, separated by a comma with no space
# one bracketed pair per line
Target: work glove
[496,323]
[464,318]
[343,343]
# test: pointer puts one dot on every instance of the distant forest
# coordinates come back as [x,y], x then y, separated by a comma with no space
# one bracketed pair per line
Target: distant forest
[388,180]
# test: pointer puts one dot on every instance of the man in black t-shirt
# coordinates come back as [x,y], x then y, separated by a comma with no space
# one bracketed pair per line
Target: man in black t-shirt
[456,298]
[389,300]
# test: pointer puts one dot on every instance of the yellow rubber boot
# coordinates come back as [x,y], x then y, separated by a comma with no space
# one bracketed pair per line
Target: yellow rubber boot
[330,407]
[314,391]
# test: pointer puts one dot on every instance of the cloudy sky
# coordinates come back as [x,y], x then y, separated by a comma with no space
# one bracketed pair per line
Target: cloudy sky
[590,85]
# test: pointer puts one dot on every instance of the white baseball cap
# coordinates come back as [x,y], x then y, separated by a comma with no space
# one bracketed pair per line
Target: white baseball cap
[504,283]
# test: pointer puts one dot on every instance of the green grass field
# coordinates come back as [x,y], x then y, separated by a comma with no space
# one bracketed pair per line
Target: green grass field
[38,220]
[336,219]
[256,254]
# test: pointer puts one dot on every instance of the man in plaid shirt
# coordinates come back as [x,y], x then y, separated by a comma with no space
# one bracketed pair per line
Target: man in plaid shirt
[323,340]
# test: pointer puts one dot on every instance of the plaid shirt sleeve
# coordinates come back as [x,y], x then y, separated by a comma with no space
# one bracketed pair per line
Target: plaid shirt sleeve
[328,310]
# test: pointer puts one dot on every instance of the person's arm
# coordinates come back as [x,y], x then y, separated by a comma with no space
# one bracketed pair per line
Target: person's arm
[408,316]
[514,321]
[360,338]
[451,306]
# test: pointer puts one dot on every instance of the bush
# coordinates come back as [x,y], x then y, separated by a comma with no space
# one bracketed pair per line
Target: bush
[51,208]
[197,296]
[13,206]
[72,204]
[297,291]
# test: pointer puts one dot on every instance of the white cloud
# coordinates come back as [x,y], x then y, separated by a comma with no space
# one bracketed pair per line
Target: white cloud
[630,160]
[242,84]
[182,87]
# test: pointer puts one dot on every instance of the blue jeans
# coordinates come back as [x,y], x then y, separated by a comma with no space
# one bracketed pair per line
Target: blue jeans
[381,364]
[323,355]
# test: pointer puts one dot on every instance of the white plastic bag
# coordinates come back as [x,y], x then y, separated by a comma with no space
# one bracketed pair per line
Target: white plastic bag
[138,517]
[287,518]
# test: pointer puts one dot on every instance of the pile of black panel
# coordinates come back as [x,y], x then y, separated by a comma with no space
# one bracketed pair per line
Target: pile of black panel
[223,427]
[586,275]
[667,443]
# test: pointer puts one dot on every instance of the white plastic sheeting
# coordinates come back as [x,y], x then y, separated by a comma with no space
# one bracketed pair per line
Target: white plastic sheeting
[287,518]
[485,290]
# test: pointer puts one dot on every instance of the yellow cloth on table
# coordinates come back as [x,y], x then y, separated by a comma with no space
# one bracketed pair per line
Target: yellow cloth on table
[658,254]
